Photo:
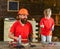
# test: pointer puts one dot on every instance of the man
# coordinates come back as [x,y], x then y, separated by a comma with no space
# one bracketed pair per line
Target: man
[46,26]
[21,27]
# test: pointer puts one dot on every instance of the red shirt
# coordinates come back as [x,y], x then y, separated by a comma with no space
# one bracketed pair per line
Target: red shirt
[17,29]
[48,23]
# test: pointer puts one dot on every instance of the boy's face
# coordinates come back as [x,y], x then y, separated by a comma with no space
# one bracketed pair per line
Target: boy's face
[48,13]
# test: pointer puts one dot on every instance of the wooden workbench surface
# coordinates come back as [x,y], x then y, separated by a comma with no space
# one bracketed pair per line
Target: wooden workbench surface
[5,45]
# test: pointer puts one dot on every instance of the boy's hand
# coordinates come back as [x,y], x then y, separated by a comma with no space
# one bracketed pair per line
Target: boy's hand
[52,29]
[50,33]
[42,26]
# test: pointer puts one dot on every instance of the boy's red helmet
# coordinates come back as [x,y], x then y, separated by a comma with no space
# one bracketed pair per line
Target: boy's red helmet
[23,11]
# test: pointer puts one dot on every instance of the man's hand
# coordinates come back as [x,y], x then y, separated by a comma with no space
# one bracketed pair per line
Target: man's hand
[11,35]
[16,38]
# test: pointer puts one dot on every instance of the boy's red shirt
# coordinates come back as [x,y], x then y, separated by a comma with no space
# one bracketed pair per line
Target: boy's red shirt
[48,23]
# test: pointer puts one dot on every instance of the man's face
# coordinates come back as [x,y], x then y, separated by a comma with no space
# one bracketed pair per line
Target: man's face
[23,18]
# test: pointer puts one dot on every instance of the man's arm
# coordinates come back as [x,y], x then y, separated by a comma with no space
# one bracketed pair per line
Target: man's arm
[11,35]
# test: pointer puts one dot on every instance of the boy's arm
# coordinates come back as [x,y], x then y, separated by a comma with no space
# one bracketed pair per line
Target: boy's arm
[52,28]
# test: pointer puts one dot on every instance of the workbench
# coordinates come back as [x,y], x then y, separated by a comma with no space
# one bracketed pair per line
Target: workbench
[5,45]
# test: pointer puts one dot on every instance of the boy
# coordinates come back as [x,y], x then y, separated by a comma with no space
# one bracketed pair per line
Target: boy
[46,26]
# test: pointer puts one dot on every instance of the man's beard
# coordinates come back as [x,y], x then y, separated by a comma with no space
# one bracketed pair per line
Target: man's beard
[24,20]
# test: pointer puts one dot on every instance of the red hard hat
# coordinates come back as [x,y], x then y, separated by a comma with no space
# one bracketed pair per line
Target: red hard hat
[23,11]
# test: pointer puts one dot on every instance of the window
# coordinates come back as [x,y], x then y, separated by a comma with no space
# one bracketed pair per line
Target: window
[13,6]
